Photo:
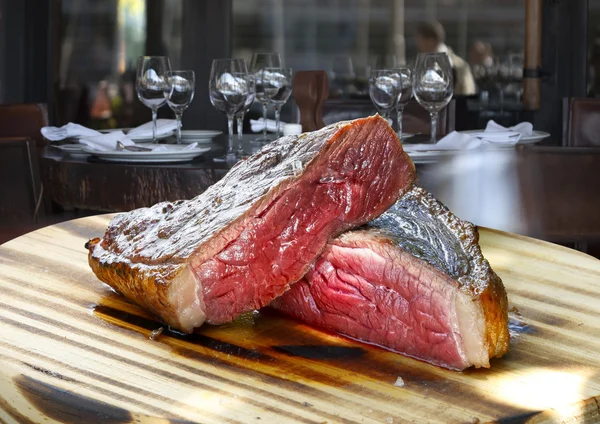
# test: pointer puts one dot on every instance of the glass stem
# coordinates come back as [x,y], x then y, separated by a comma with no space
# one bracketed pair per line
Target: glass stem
[240,134]
[178,116]
[265,119]
[230,137]
[154,116]
[434,119]
[399,111]
[277,115]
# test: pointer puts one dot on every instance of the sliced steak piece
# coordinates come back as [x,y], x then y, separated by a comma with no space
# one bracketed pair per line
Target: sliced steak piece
[248,237]
[414,281]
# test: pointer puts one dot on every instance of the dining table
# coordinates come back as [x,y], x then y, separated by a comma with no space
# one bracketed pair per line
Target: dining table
[557,187]
[72,350]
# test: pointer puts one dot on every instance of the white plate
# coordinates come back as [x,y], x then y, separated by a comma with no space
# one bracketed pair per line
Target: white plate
[140,139]
[174,153]
[406,136]
[73,150]
[200,134]
[536,137]
[430,156]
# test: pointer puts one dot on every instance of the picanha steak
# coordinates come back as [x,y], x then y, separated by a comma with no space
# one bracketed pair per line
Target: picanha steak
[243,241]
[414,281]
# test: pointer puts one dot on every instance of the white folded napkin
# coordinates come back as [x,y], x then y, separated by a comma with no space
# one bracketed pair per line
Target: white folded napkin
[453,141]
[524,128]
[68,131]
[257,125]
[469,141]
[107,142]
[163,126]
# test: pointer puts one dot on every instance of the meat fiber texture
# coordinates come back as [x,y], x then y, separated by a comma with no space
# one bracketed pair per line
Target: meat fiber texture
[243,241]
[413,281]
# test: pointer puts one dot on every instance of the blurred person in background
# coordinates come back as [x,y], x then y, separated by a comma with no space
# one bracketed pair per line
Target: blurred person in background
[431,38]
[481,54]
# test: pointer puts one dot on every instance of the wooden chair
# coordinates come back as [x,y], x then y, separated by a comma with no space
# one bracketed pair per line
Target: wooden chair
[24,120]
[583,127]
[20,187]
[415,118]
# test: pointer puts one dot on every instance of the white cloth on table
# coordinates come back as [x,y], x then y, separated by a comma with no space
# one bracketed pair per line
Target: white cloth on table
[163,126]
[453,141]
[68,131]
[106,142]
[257,125]
[524,128]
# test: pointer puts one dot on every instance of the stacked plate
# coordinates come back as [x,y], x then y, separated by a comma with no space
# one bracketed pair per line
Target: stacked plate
[167,153]
[141,139]
[198,136]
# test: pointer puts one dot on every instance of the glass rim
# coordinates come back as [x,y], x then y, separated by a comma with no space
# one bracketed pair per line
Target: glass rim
[153,57]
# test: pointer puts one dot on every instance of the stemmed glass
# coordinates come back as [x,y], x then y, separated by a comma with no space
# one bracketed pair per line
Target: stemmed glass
[240,115]
[229,90]
[150,84]
[277,86]
[385,87]
[433,85]
[405,94]
[180,86]
[258,63]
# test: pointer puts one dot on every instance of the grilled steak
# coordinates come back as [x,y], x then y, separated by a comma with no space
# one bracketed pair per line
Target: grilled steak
[414,281]
[242,243]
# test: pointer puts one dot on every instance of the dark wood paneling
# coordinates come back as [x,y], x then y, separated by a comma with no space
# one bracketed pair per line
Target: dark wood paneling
[207,29]
[564,60]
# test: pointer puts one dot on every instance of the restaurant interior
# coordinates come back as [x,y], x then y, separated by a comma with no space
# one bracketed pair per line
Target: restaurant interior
[75,62]
[109,106]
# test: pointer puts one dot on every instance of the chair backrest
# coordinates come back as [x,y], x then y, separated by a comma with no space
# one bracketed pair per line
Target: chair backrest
[311,90]
[23,120]
[20,187]
[415,118]
[584,123]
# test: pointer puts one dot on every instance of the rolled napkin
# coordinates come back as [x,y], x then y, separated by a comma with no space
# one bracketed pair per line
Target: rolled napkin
[257,125]
[68,131]
[163,126]
[524,128]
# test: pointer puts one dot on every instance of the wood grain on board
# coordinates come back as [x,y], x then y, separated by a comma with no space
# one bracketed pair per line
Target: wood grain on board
[71,350]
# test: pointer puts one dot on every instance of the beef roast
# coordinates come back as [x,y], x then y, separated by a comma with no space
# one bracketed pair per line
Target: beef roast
[414,281]
[242,243]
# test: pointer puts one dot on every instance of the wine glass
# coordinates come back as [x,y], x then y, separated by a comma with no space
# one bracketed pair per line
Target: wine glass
[385,87]
[150,84]
[342,70]
[258,63]
[405,94]
[240,115]
[433,85]
[277,86]
[179,93]
[229,90]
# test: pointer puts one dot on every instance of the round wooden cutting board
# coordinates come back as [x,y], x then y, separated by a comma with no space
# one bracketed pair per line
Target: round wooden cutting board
[71,350]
